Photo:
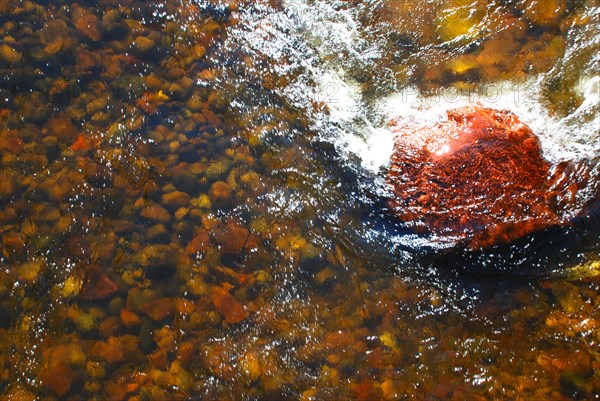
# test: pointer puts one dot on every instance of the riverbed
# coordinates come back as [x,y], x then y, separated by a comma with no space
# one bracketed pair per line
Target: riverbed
[194,203]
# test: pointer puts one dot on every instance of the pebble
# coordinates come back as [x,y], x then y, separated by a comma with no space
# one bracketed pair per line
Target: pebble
[250,365]
[10,55]
[110,351]
[129,318]
[324,276]
[143,44]
[175,199]
[221,194]
[59,366]
[158,233]
[86,23]
[233,238]
[158,261]
[156,213]
[231,309]
[97,285]
[159,310]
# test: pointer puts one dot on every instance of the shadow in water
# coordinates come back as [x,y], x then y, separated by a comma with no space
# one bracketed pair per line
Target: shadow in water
[372,234]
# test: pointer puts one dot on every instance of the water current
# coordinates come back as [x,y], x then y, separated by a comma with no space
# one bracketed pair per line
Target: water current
[195,204]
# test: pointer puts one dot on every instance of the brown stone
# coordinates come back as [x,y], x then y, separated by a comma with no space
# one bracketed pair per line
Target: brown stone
[129,318]
[218,360]
[544,12]
[228,306]
[13,244]
[156,213]
[53,30]
[221,193]
[160,309]
[250,365]
[97,285]
[86,23]
[109,326]
[477,178]
[10,141]
[233,238]
[159,261]
[60,364]
[61,127]
[143,44]
[200,242]
[86,60]
[110,351]
[10,55]
[59,378]
[175,199]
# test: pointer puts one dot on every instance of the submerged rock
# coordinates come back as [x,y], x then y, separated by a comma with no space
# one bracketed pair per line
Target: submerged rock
[232,310]
[159,261]
[477,178]
[97,285]
[60,366]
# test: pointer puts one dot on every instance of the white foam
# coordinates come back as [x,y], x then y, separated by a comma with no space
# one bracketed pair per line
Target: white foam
[326,42]
[570,138]
[331,31]
[355,134]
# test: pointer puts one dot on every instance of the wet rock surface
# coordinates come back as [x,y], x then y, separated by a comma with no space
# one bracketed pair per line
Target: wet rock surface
[479,178]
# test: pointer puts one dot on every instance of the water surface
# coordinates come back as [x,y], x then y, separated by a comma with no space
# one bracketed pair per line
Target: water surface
[194,202]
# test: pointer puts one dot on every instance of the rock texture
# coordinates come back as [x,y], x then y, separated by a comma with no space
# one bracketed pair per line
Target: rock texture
[477,178]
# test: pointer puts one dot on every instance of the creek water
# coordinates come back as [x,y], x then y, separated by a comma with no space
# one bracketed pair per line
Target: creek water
[194,202]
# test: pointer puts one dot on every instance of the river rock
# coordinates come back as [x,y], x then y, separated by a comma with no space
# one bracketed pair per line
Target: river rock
[221,194]
[477,178]
[232,310]
[60,366]
[175,199]
[97,285]
[158,261]
[156,214]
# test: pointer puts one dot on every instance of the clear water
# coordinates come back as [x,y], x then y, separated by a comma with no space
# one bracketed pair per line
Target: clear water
[194,202]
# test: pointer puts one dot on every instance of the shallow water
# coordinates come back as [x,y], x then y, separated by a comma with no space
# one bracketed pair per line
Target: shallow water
[194,202]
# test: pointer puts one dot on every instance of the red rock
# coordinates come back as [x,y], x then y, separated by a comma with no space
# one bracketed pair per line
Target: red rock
[228,306]
[200,242]
[160,309]
[478,178]
[233,238]
[82,144]
[97,285]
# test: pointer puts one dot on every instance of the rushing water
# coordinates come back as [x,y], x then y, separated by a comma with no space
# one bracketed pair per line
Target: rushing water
[194,202]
